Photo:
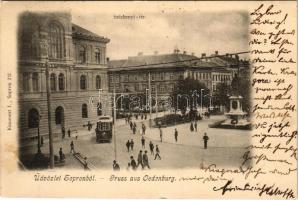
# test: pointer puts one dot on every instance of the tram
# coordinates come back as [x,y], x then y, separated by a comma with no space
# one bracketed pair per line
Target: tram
[104,128]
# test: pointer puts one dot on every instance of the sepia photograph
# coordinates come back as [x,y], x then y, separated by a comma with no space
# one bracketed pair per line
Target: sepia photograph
[192,99]
[96,94]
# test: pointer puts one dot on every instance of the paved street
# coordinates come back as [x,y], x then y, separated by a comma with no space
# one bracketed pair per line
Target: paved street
[225,146]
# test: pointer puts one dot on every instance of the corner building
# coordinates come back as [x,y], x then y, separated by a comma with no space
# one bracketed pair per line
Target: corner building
[77,70]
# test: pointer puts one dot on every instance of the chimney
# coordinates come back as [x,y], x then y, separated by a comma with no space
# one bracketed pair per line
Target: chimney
[192,53]
[176,51]
[184,52]
[155,52]
[227,55]
[140,53]
[203,55]
[216,52]
[108,59]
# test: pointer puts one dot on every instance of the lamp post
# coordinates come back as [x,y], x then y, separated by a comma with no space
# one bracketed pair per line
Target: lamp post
[38,117]
[202,100]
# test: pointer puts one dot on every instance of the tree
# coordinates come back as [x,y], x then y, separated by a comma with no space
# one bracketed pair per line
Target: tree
[186,95]
[222,93]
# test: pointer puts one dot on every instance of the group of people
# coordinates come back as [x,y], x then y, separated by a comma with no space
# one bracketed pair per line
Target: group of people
[129,117]
[62,155]
[142,160]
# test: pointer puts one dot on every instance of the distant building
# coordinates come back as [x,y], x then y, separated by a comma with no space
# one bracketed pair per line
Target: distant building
[78,69]
[131,75]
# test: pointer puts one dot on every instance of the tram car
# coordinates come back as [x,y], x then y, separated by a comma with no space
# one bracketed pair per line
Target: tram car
[104,128]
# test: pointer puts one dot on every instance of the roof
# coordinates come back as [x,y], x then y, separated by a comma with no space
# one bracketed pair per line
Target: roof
[153,61]
[83,33]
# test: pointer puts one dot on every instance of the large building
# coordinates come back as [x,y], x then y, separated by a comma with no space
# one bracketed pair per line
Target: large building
[77,70]
[132,74]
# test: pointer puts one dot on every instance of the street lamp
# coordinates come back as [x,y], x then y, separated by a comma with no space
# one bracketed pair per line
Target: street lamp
[202,100]
[37,118]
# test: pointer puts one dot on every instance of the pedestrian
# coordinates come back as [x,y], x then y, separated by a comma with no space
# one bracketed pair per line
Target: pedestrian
[63,132]
[134,129]
[131,125]
[191,127]
[61,154]
[145,160]
[128,145]
[145,116]
[151,147]
[116,167]
[143,128]
[68,132]
[205,138]
[143,142]
[140,159]
[142,117]
[176,135]
[196,126]
[128,166]
[131,144]
[137,117]
[72,147]
[160,134]
[85,163]
[157,153]
[133,163]
[89,125]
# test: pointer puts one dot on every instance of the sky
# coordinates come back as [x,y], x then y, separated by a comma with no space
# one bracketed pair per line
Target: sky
[194,32]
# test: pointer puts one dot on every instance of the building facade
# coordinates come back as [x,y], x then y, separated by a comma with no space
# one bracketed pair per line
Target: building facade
[132,74]
[77,70]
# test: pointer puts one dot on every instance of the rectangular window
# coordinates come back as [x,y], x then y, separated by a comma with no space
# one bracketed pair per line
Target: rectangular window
[111,79]
[153,88]
[126,78]
[171,76]
[162,76]
[26,81]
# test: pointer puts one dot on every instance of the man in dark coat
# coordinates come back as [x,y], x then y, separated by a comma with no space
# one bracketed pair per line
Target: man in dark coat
[140,159]
[205,138]
[143,128]
[72,147]
[133,163]
[116,167]
[128,145]
[176,135]
[68,132]
[145,160]
[131,144]
[191,127]
[143,142]
[157,153]
[63,132]
[151,146]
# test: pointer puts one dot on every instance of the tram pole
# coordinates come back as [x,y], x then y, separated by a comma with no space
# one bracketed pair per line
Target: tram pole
[150,100]
[114,119]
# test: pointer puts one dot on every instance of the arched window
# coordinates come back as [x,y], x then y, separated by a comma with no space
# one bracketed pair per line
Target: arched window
[83,82]
[56,41]
[84,111]
[98,82]
[61,81]
[97,56]
[99,111]
[35,81]
[33,118]
[26,78]
[82,55]
[53,82]
[59,115]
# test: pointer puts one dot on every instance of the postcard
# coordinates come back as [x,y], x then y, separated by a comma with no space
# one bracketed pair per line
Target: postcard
[193,99]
